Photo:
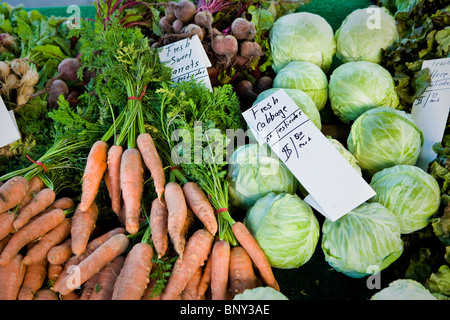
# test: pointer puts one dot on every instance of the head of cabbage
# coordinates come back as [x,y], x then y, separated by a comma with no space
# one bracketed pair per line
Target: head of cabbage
[300,98]
[260,293]
[254,171]
[363,242]
[410,193]
[302,36]
[307,77]
[404,289]
[356,87]
[285,228]
[384,137]
[364,34]
[346,154]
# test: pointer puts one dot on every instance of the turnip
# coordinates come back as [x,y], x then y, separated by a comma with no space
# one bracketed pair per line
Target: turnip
[226,46]
[19,66]
[243,29]
[57,87]
[250,49]
[4,69]
[10,82]
[193,29]
[7,40]
[30,78]
[68,69]
[185,10]
[24,94]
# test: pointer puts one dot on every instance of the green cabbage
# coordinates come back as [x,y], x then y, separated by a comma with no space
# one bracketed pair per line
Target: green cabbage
[364,241]
[346,154]
[302,36]
[307,77]
[285,228]
[404,289]
[364,34]
[255,171]
[356,87]
[260,293]
[384,137]
[301,99]
[410,193]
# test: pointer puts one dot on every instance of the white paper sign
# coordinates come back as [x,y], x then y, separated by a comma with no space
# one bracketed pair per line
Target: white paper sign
[334,186]
[188,59]
[430,110]
[8,127]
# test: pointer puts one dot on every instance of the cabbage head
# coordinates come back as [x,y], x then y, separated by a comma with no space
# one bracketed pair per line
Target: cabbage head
[301,99]
[363,242]
[254,171]
[346,154]
[364,34]
[356,87]
[410,193]
[307,77]
[384,137]
[285,228]
[404,289]
[302,36]
[260,293]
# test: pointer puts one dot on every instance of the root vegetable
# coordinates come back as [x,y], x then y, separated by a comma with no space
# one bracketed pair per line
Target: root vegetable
[169,10]
[185,10]
[38,204]
[30,78]
[158,224]
[6,223]
[68,69]
[250,49]
[241,273]
[177,214]
[45,294]
[166,25]
[264,83]
[54,271]
[83,222]
[205,20]
[4,69]
[11,277]
[35,185]
[11,82]
[243,29]
[35,275]
[57,88]
[226,46]
[12,192]
[24,94]
[19,66]
[220,261]
[61,253]
[113,172]
[205,281]
[7,40]
[178,26]
[191,290]
[107,277]
[193,29]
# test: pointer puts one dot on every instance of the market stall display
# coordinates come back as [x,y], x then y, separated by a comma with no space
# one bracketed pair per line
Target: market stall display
[131,183]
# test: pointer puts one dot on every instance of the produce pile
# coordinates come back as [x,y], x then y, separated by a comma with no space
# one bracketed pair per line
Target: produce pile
[126,185]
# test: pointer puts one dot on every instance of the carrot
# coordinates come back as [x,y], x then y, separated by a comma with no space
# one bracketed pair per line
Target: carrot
[196,199]
[12,192]
[113,175]
[45,294]
[35,275]
[88,287]
[31,231]
[93,263]
[152,161]
[220,261]
[190,292]
[4,242]
[103,287]
[49,240]
[158,224]
[91,247]
[196,252]
[255,252]
[132,185]
[135,273]
[205,281]
[54,271]
[83,222]
[11,277]
[61,203]
[149,293]
[241,274]
[39,203]
[93,174]
[177,213]
[70,296]
[6,223]
[35,185]
[61,253]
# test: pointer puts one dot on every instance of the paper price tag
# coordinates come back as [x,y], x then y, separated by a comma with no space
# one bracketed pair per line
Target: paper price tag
[9,131]
[430,110]
[334,186]
[188,59]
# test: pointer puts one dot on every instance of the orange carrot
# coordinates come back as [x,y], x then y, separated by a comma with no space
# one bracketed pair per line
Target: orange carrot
[31,231]
[205,281]
[190,292]
[54,271]
[103,287]
[152,161]
[39,203]
[93,173]
[35,185]
[61,253]
[61,203]
[158,225]
[35,275]
[113,175]
[135,273]
[196,252]
[83,222]
[88,287]
[149,293]
[52,238]
[177,213]
[45,294]
[196,199]
[6,223]
[220,261]
[255,252]
[70,296]
[132,185]
[4,242]
[93,263]
[11,277]
[241,274]
[12,192]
